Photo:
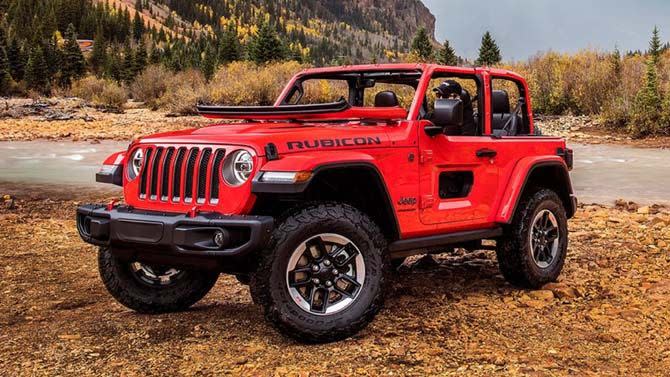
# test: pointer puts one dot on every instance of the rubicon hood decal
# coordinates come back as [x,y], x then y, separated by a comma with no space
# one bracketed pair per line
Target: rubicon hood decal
[333,143]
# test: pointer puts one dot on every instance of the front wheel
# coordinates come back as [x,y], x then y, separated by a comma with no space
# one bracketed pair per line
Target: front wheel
[533,250]
[148,288]
[321,278]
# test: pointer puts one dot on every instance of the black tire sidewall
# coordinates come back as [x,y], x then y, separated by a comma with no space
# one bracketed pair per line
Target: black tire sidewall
[551,272]
[514,253]
[121,283]
[281,308]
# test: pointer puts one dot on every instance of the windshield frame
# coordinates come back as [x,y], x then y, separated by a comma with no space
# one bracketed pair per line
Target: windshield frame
[412,77]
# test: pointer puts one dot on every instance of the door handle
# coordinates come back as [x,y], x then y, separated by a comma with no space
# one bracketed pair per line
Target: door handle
[490,153]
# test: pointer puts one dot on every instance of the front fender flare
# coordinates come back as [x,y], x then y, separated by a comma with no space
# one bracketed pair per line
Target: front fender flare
[111,171]
[310,161]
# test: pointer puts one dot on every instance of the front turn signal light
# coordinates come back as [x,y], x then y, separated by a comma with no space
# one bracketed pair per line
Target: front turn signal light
[286,177]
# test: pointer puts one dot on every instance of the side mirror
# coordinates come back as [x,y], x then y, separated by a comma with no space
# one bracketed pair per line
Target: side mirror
[448,115]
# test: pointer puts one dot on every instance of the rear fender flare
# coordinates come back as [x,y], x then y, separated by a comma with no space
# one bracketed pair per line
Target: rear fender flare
[519,182]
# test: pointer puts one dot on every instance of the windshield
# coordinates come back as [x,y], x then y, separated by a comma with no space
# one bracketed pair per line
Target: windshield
[360,89]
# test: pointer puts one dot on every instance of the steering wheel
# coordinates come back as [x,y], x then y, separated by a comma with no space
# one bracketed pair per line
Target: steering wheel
[512,123]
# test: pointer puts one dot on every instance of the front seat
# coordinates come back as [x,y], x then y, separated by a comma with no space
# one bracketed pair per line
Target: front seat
[386,99]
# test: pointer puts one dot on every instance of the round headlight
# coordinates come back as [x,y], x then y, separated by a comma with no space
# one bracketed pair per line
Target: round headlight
[238,167]
[135,163]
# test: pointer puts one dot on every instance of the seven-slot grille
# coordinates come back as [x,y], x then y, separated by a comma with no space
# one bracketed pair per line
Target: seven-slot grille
[180,174]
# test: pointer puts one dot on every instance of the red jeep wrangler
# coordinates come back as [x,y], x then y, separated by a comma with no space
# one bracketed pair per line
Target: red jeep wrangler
[312,200]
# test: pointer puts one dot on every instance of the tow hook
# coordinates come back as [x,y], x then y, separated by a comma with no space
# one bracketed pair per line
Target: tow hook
[193,212]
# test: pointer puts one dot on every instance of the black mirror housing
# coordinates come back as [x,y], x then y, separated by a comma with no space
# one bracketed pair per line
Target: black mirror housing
[448,115]
[448,112]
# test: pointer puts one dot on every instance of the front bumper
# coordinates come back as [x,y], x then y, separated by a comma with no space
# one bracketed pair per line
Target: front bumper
[205,234]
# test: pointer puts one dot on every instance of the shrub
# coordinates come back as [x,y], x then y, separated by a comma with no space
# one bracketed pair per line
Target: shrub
[112,97]
[183,92]
[245,83]
[151,85]
[88,87]
[100,92]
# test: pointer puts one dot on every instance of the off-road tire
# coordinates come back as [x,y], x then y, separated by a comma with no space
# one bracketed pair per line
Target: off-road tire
[513,249]
[269,286]
[118,278]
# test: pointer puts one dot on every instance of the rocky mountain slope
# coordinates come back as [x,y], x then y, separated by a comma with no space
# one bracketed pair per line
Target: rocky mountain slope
[350,30]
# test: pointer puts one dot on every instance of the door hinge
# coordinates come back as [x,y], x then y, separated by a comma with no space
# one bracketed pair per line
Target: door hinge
[426,156]
[427,201]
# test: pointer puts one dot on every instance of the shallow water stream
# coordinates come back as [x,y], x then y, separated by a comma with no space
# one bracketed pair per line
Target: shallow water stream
[602,174]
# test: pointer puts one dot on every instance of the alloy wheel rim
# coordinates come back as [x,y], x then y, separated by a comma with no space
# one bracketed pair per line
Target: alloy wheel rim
[325,274]
[155,275]
[544,238]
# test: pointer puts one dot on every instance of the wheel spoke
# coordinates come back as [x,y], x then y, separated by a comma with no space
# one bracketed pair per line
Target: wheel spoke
[545,221]
[537,252]
[549,258]
[553,234]
[302,269]
[318,244]
[350,280]
[336,251]
[352,252]
[324,293]
[312,296]
[343,292]
[325,300]
[295,283]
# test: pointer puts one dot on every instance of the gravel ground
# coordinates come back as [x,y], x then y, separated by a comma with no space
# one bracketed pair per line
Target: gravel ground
[73,119]
[452,315]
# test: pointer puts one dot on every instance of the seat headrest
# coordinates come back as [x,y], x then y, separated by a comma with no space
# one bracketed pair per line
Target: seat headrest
[500,101]
[386,99]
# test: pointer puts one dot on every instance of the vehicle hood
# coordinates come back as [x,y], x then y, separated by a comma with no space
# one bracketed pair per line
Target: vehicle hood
[286,136]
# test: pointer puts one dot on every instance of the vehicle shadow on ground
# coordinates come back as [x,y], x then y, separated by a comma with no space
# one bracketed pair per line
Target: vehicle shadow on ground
[422,288]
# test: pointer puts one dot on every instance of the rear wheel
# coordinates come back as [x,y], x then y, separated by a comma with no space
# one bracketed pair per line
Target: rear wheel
[321,279]
[150,288]
[533,250]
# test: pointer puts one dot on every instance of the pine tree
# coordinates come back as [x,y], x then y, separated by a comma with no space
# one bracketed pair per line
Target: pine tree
[99,53]
[489,52]
[141,58]
[17,60]
[646,116]
[422,46]
[128,66]
[265,45]
[447,55]
[209,63]
[114,66]
[138,5]
[53,55]
[229,45]
[5,77]
[655,45]
[155,56]
[138,27]
[37,72]
[74,65]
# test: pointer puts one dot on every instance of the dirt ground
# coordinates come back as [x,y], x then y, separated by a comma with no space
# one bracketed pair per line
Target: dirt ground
[608,315]
[73,119]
